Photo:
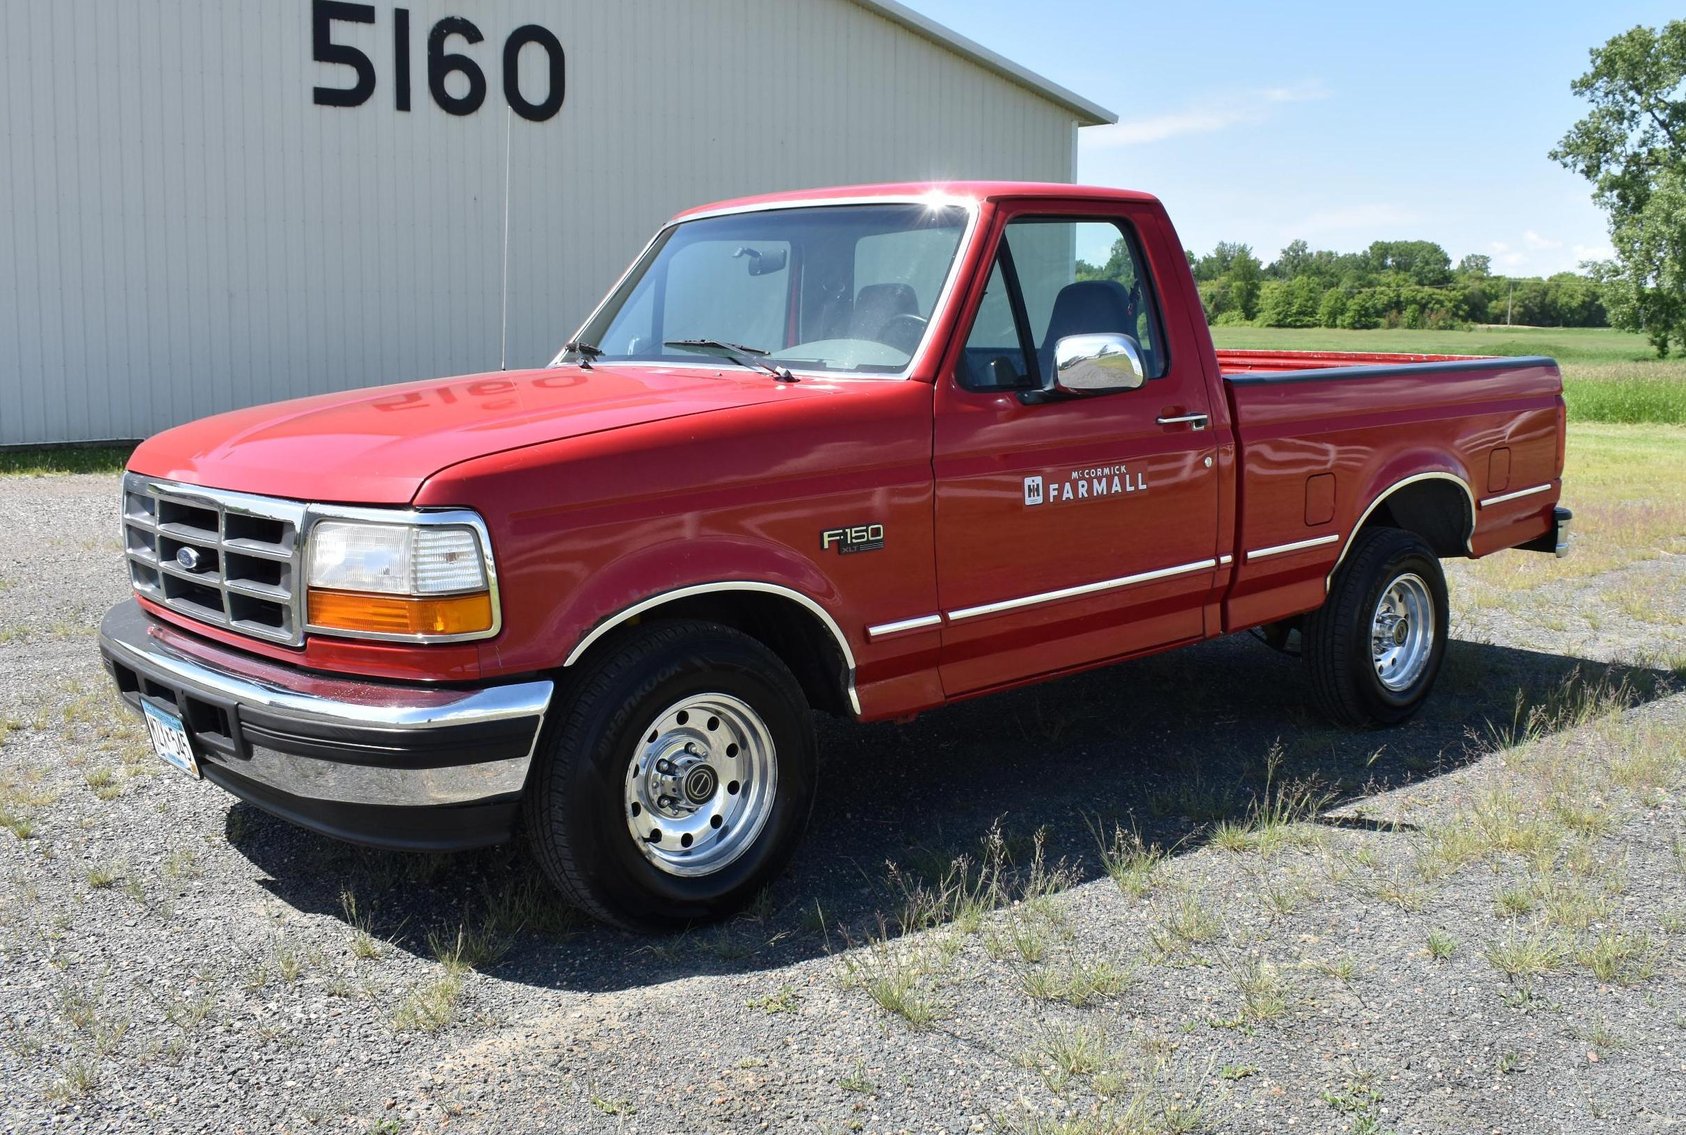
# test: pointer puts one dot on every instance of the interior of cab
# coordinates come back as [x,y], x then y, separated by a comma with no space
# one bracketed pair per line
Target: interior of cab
[838,288]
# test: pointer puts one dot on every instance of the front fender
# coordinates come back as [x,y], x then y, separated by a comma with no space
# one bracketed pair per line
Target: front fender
[647,578]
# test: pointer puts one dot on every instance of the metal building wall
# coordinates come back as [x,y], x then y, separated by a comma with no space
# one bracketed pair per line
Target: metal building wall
[183,231]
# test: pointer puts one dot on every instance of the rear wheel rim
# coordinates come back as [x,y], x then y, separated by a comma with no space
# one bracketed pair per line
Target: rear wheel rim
[1402,632]
[700,786]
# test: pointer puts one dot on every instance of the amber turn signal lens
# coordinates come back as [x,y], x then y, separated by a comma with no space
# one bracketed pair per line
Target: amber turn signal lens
[397,615]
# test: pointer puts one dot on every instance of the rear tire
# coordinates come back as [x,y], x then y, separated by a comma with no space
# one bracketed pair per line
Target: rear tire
[1375,646]
[673,783]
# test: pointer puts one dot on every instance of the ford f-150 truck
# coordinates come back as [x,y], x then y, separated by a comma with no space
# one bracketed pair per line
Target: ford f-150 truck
[864,451]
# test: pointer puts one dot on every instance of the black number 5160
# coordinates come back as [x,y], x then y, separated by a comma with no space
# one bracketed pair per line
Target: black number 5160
[441,63]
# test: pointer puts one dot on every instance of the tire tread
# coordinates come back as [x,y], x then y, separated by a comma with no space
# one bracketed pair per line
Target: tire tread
[1326,641]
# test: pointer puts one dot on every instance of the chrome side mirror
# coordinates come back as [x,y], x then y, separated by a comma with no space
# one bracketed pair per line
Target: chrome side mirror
[1094,364]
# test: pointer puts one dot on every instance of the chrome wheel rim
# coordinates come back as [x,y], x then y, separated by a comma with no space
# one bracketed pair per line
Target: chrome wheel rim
[701,784]
[1402,632]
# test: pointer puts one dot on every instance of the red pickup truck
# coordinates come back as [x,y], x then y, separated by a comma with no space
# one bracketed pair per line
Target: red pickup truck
[865,451]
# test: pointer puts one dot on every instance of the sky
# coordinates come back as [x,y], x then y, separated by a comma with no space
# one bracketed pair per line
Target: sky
[1336,124]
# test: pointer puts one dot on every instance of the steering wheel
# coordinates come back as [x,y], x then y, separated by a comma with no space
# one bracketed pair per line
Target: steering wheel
[903,332]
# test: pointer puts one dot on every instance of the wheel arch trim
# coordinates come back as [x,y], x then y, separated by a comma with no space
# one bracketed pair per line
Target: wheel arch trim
[1386,494]
[663,598]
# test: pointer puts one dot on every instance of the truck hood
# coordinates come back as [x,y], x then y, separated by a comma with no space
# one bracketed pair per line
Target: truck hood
[377,446]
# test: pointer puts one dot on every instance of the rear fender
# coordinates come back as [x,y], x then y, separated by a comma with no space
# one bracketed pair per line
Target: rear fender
[1393,482]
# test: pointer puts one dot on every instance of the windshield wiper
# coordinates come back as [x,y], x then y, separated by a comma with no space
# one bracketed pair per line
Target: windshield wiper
[752,357]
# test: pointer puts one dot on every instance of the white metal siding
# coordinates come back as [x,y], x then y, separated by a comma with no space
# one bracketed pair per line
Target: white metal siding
[183,231]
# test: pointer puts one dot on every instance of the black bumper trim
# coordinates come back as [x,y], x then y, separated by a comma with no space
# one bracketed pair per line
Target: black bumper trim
[1556,539]
[444,747]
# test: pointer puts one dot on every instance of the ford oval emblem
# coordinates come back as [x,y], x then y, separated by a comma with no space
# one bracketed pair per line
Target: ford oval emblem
[189,559]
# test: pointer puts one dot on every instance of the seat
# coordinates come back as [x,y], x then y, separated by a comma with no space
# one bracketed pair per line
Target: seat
[1088,307]
[877,305]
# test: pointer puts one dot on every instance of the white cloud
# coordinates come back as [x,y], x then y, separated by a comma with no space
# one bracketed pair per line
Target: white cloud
[1506,257]
[1535,255]
[1207,116]
[1144,130]
[1304,92]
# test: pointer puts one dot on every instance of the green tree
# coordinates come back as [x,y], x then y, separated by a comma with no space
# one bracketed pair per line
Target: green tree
[1244,277]
[1216,299]
[1632,147]
[1289,303]
[1217,263]
[1419,261]
[1118,266]
[1365,309]
[1332,309]
[1575,301]
[1296,260]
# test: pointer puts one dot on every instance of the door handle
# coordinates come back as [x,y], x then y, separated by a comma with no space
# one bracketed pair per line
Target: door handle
[1198,421]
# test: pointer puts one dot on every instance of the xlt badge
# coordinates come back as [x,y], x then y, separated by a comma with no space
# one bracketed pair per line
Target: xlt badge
[848,541]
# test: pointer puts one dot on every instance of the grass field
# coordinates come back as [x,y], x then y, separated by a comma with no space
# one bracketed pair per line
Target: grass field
[63,459]
[1608,376]
[1565,344]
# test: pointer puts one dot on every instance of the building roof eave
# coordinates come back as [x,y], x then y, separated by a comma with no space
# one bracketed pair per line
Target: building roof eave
[1088,113]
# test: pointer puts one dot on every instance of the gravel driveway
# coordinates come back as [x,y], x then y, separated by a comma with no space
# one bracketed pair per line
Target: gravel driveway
[1474,923]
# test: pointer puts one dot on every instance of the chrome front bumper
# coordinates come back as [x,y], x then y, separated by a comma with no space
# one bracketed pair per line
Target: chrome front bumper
[387,764]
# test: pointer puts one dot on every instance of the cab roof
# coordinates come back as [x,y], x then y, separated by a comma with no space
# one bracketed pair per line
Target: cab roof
[963,190]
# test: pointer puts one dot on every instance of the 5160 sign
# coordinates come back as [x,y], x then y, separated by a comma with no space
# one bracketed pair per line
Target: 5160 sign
[441,63]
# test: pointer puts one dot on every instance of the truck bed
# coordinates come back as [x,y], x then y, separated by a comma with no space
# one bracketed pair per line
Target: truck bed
[1321,435]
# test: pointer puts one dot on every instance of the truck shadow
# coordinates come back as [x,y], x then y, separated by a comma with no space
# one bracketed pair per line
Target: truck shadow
[1168,747]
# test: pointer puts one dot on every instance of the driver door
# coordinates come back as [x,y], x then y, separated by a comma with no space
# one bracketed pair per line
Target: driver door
[1073,530]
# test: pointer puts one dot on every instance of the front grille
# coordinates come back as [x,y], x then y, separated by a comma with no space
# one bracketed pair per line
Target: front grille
[227,559]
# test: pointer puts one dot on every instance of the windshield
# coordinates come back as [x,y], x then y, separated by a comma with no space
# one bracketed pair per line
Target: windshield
[837,288]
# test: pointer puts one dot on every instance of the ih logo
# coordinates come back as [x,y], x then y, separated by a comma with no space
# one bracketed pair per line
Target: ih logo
[1032,491]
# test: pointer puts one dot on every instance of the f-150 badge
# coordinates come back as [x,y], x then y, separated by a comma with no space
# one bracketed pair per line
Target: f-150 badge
[1085,484]
[849,541]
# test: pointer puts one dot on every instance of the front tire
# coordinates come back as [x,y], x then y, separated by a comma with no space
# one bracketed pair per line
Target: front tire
[1375,646]
[675,781]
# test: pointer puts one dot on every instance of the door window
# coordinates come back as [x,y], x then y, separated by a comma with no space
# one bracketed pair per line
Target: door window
[995,357]
[1054,278]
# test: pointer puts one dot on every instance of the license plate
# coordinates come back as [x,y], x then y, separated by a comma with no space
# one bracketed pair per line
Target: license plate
[169,739]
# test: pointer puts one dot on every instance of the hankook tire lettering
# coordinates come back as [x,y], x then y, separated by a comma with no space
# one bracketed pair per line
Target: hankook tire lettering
[442,63]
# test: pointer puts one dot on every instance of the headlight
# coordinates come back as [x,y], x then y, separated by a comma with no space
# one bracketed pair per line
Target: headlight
[420,581]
